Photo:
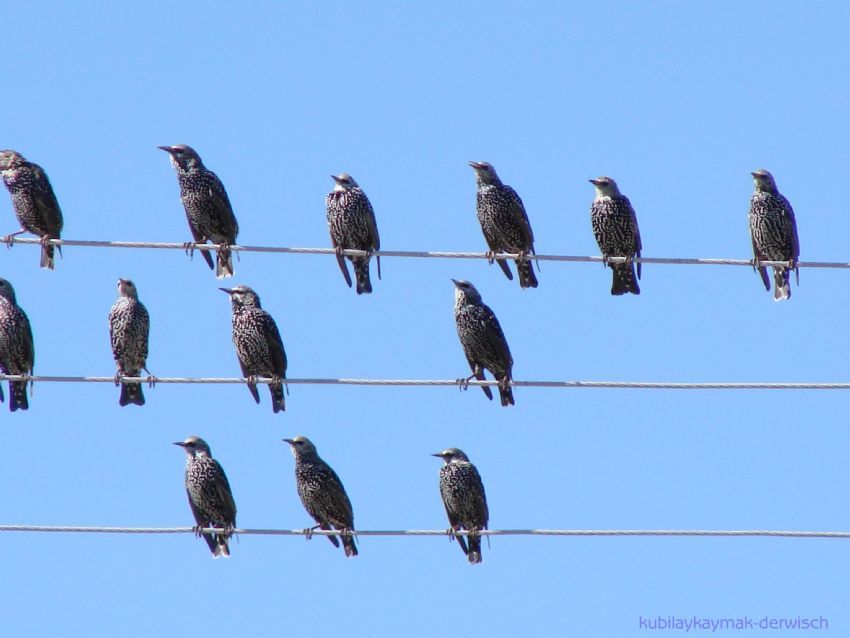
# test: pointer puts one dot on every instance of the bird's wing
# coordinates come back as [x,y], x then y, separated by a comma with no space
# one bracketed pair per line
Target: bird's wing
[482,513]
[230,228]
[337,496]
[278,354]
[223,488]
[636,231]
[113,336]
[29,346]
[144,327]
[45,200]
[521,216]
[374,238]
[495,336]
[792,229]
[200,519]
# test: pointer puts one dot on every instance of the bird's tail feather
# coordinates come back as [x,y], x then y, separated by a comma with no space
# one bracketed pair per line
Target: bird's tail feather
[278,402]
[47,256]
[131,393]
[625,279]
[506,395]
[224,262]
[474,548]
[361,272]
[18,396]
[208,258]
[348,544]
[527,278]
[781,284]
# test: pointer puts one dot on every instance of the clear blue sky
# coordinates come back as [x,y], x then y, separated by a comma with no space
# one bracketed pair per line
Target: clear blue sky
[677,101]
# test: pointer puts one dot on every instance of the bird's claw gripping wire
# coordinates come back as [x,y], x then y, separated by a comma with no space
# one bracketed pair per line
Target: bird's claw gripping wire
[189,248]
[308,532]
[463,383]
[491,256]
[118,377]
[9,239]
[151,380]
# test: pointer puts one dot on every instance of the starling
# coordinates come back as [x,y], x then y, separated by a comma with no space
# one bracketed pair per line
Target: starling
[504,222]
[129,324]
[616,230]
[207,206]
[34,202]
[773,229]
[464,499]
[322,493]
[258,344]
[17,353]
[351,222]
[483,341]
[209,494]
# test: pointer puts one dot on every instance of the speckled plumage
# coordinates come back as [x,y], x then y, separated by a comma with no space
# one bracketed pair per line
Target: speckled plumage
[352,225]
[322,493]
[616,230]
[773,230]
[34,201]
[504,222]
[207,206]
[129,325]
[209,494]
[258,343]
[483,341]
[464,499]
[17,352]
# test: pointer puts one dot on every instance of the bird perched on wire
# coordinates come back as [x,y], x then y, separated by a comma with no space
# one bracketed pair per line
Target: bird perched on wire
[209,495]
[773,230]
[34,202]
[129,325]
[616,230]
[351,221]
[207,206]
[17,352]
[504,223]
[464,499]
[258,344]
[322,493]
[483,341]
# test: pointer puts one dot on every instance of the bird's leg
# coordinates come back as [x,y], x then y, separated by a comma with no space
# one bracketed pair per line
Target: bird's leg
[451,532]
[25,379]
[338,250]
[197,529]
[505,383]
[118,376]
[756,263]
[463,382]
[252,379]
[308,532]
[491,256]
[8,238]
[605,263]
[189,248]
[151,380]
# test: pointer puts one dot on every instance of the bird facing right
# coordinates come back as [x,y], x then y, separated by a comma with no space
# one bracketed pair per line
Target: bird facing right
[209,494]
[34,202]
[207,206]
[483,341]
[504,222]
[351,221]
[322,493]
[259,347]
[773,230]
[17,353]
[464,499]
[129,325]
[616,231]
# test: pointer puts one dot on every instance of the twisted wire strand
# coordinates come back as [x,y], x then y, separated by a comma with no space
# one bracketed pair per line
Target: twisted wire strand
[416,253]
[430,532]
[627,385]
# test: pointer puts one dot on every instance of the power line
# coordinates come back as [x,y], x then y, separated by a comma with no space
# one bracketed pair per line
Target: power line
[430,532]
[419,254]
[623,385]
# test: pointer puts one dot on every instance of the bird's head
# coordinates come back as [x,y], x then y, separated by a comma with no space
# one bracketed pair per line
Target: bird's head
[301,446]
[7,291]
[343,182]
[764,180]
[10,159]
[194,445]
[243,296]
[183,157]
[485,173]
[127,288]
[451,454]
[605,186]
[466,291]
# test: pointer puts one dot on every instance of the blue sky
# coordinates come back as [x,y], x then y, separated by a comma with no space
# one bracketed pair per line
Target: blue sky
[677,101]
